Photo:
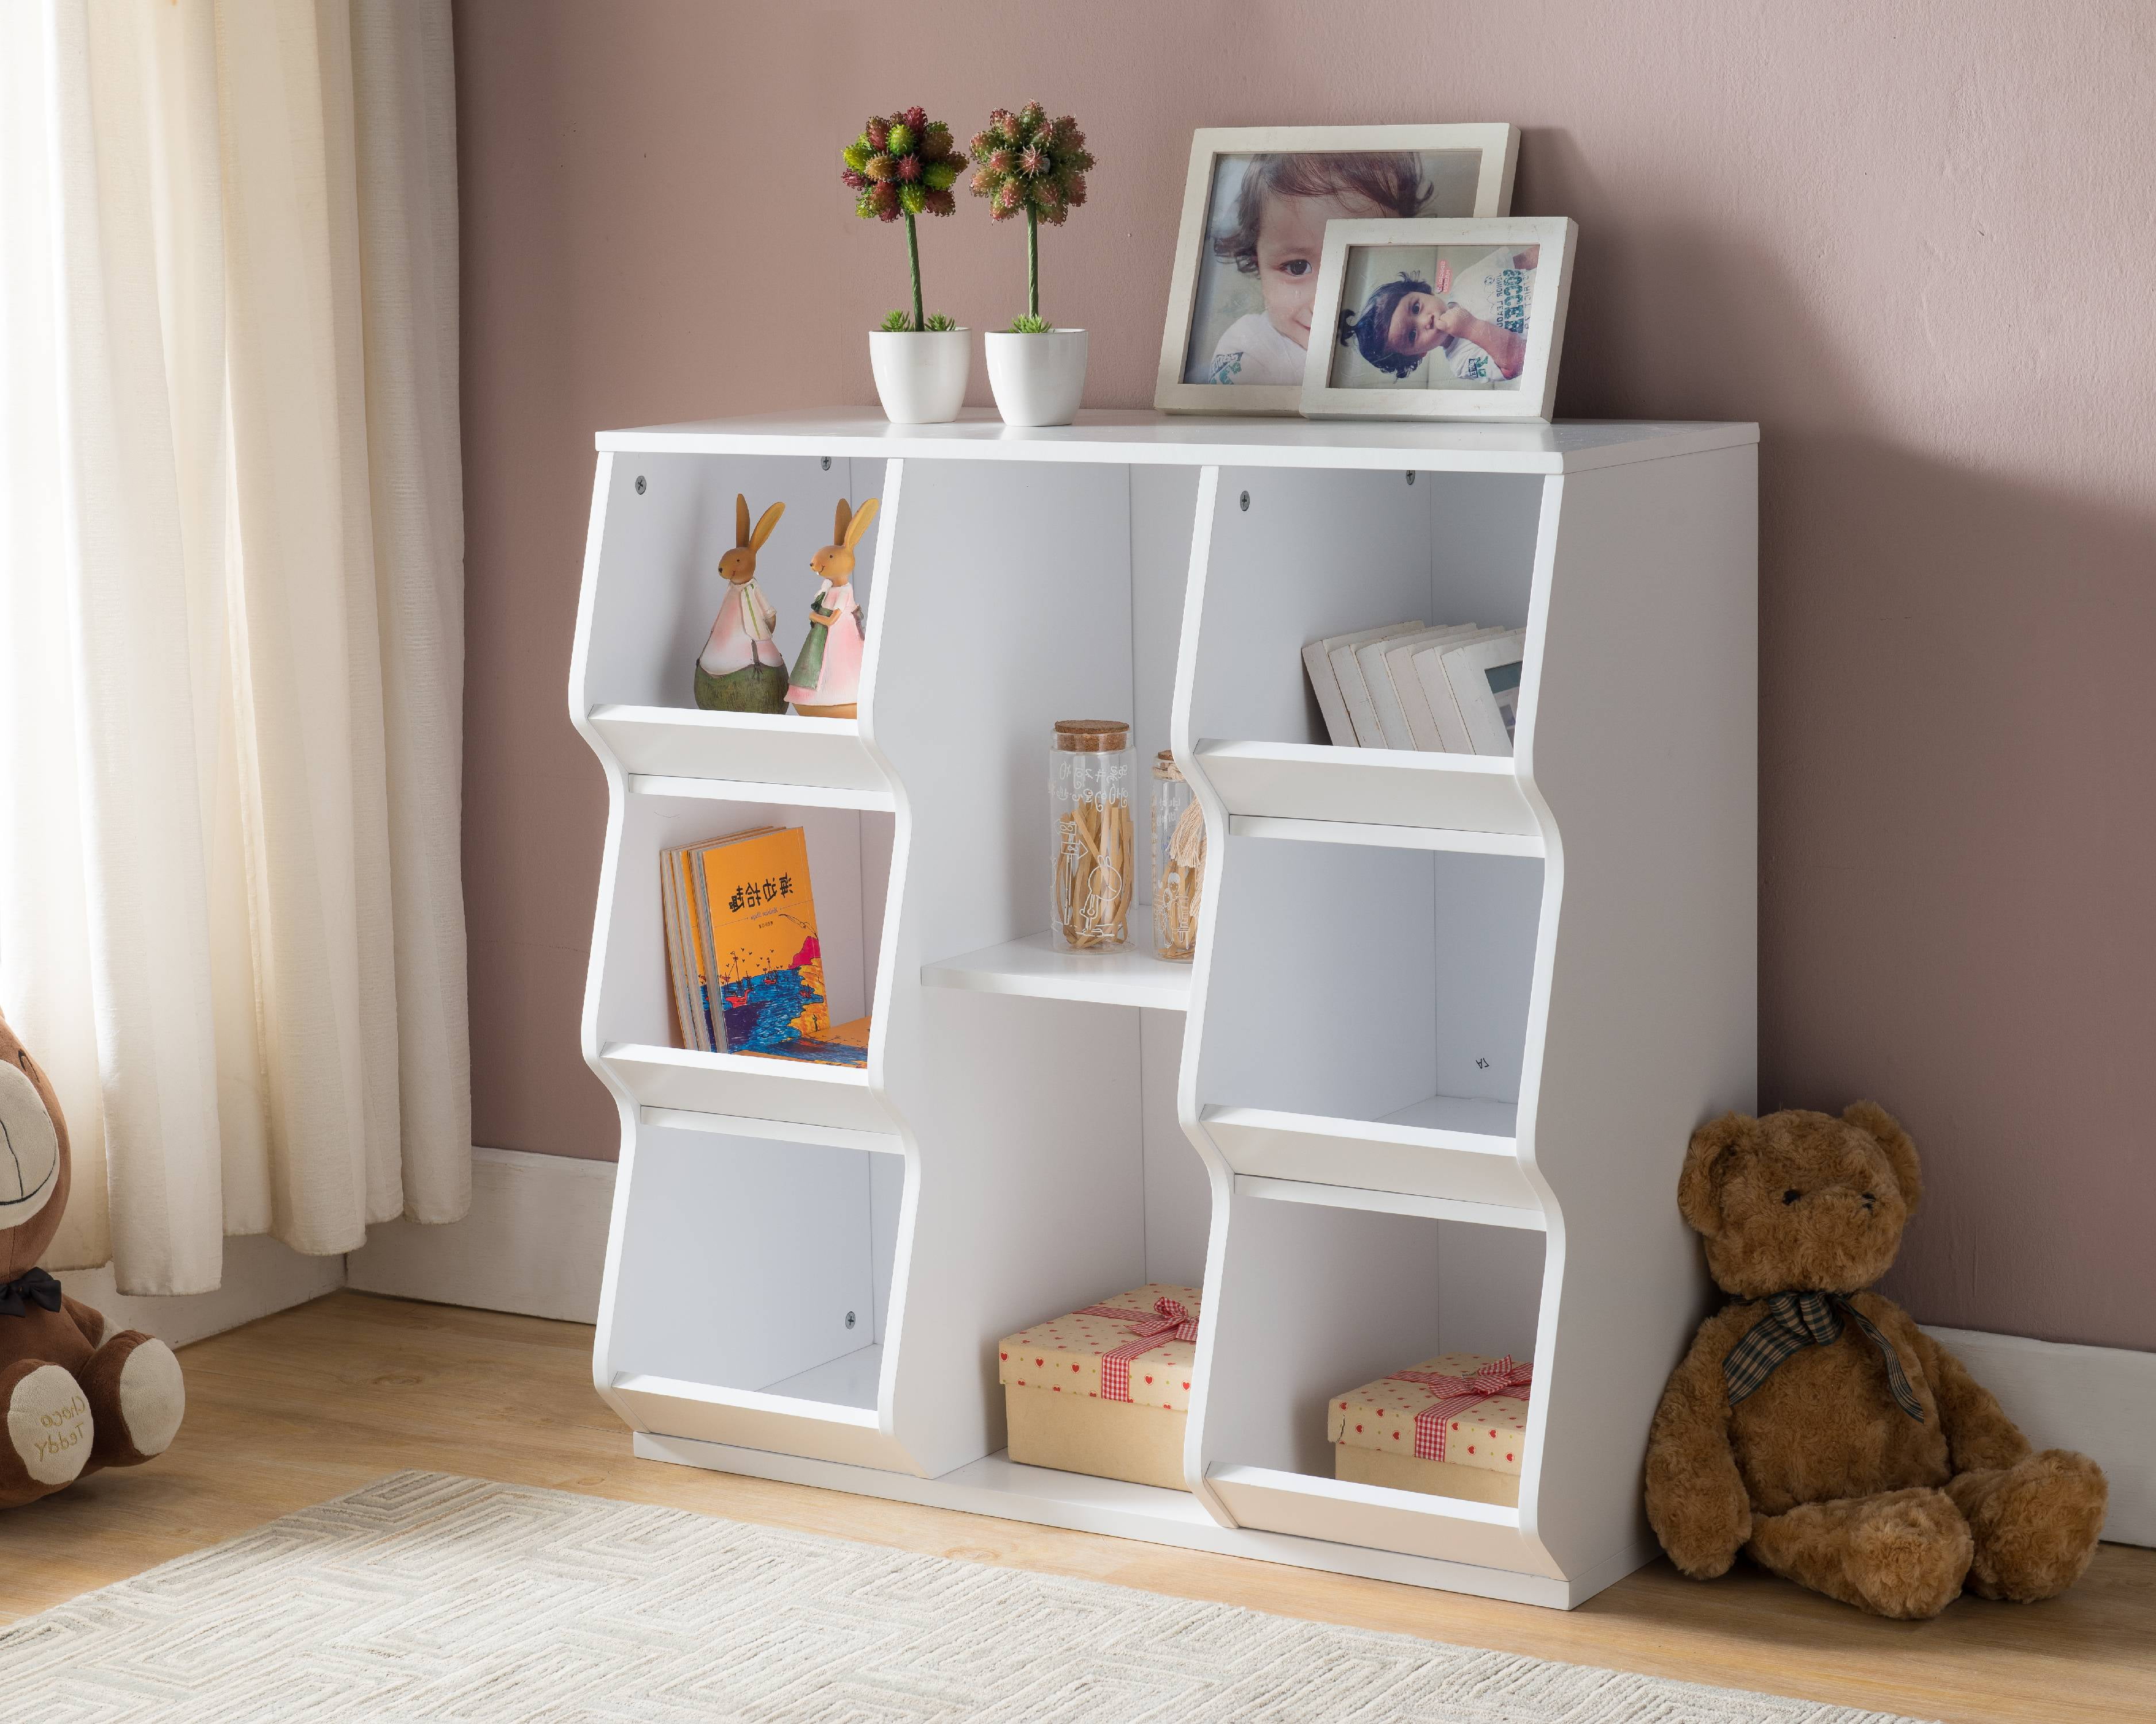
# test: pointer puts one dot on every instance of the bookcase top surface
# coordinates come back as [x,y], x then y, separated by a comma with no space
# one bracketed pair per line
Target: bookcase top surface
[1124,436]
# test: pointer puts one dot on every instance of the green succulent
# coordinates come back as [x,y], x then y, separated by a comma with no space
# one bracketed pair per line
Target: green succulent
[1029,324]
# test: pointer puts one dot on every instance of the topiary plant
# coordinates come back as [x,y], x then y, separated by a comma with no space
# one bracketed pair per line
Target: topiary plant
[1026,163]
[903,165]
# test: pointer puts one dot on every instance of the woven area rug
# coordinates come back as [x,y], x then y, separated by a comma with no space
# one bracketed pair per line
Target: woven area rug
[426,1597]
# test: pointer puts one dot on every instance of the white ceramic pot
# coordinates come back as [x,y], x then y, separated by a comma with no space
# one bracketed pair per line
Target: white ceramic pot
[1038,380]
[921,375]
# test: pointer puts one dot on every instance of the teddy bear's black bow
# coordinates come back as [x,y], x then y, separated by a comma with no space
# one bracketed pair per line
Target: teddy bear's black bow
[1796,1320]
[32,1286]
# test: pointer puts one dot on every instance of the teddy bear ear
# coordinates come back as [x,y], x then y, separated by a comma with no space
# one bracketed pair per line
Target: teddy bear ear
[1883,1129]
[1699,1187]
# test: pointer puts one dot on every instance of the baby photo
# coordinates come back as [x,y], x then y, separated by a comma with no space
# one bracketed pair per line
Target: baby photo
[1433,317]
[1257,274]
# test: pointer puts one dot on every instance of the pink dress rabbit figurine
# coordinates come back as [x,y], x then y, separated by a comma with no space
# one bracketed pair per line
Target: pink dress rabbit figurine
[827,676]
[740,669]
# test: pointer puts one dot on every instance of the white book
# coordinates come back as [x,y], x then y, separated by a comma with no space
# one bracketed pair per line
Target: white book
[679,968]
[1484,679]
[1317,660]
[1387,696]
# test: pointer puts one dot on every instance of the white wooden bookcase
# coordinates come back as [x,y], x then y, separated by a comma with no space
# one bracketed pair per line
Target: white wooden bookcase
[1427,1084]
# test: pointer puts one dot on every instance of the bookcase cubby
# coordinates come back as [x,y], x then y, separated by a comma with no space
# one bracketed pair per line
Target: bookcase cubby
[1425,1087]
[803,1234]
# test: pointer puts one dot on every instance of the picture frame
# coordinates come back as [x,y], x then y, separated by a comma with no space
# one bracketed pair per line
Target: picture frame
[1486,678]
[1384,288]
[1219,285]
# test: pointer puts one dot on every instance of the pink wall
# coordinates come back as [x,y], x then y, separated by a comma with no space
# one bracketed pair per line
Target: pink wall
[1913,241]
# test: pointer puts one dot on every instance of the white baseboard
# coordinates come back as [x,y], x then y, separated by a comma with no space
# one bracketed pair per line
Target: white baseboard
[261,1275]
[2098,1400]
[534,1242]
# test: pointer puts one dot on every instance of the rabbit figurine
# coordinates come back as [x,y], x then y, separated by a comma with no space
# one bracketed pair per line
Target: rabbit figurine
[740,669]
[827,676]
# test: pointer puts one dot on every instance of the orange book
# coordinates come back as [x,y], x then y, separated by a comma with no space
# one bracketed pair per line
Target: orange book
[846,1045]
[762,954]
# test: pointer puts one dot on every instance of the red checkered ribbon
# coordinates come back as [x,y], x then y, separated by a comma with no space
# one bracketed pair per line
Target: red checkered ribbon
[1167,1320]
[1455,1394]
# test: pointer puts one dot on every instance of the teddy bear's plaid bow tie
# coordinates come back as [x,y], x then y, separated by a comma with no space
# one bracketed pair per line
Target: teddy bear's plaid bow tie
[1796,1320]
[33,1286]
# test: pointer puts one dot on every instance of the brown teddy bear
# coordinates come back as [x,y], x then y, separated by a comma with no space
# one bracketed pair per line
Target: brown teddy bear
[72,1400]
[1813,1426]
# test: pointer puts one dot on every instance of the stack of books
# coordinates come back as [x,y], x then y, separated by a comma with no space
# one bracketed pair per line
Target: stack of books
[742,951]
[1452,689]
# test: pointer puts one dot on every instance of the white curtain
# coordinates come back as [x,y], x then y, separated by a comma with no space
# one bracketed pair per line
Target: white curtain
[231,618]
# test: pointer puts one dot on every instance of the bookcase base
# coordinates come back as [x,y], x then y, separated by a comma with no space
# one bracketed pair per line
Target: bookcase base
[1004,1489]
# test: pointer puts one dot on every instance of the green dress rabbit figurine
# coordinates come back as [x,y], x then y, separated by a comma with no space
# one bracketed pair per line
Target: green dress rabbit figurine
[740,669]
[827,676]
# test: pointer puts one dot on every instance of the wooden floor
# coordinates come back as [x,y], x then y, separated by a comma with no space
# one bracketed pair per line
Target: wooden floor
[317,1401]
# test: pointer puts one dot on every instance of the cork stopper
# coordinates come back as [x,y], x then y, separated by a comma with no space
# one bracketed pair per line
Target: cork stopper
[1164,766]
[1092,736]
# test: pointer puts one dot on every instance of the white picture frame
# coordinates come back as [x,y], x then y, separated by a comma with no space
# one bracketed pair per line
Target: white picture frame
[1198,274]
[1473,672]
[1396,692]
[1359,251]
[1317,660]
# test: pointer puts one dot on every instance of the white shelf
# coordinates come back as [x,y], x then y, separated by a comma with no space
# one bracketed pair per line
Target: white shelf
[1444,1147]
[1125,439]
[1440,794]
[762,749]
[772,1131]
[827,1430]
[1389,1202]
[850,1380]
[800,1091]
[1406,934]
[1485,1534]
[1040,968]
[1390,837]
[763,791]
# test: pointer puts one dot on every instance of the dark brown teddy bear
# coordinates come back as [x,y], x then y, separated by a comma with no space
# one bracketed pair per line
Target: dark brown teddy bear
[1813,1426]
[72,1398]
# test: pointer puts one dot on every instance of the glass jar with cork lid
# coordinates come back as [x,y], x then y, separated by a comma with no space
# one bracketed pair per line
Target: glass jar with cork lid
[1089,794]
[1179,862]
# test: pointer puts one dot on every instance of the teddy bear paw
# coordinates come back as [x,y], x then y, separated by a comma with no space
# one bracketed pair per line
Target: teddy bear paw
[135,1384]
[153,1396]
[2035,1524]
[50,1430]
[1901,1554]
[1907,1558]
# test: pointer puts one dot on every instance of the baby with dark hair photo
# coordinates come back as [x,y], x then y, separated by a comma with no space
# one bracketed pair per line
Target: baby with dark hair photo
[1465,309]
[1264,231]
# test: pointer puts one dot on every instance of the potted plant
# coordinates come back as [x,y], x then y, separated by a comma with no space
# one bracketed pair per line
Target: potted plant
[903,167]
[1027,164]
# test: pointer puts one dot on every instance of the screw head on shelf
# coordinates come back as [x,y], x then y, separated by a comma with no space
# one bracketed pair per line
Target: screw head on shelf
[1246,502]
[850,1320]
[827,464]
[639,485]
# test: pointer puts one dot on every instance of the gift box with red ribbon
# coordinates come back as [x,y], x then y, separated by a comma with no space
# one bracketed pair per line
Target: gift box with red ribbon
[1455,1425]
[1105,1390]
